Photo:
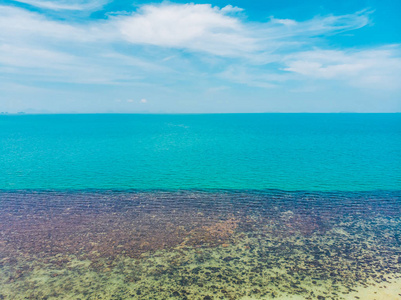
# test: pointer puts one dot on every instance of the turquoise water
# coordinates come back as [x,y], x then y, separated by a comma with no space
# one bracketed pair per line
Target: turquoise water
[348,152]
[243,206]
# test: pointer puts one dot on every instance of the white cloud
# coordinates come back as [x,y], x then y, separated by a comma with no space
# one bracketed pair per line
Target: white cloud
[204,28]
[254,76]
[286,22]
[65,5]
[195,27]
[198,27]
[144,101]
[250,53]
[371,68]
[55,66]
[19,25]
[231,9]
[49,50]
[333,24]
[11,55]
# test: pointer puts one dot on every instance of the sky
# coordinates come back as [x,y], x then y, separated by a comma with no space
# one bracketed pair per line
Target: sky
[105,56]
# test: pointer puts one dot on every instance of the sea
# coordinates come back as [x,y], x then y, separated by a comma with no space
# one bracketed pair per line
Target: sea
[200,206]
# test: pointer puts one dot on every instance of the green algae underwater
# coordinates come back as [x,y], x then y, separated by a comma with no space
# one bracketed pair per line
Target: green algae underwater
[199,244]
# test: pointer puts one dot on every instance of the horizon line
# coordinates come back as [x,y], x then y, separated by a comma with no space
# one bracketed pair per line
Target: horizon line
[182,113]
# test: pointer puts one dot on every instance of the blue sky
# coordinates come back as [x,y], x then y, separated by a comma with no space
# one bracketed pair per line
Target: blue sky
[200,57]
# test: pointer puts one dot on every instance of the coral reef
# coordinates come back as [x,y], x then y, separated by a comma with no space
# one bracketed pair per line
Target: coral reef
[198,244]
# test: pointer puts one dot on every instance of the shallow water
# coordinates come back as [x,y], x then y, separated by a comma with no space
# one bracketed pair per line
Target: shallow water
[200,244]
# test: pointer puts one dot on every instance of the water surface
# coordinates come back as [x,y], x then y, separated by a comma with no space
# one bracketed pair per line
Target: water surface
[267,206]
[318,152]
